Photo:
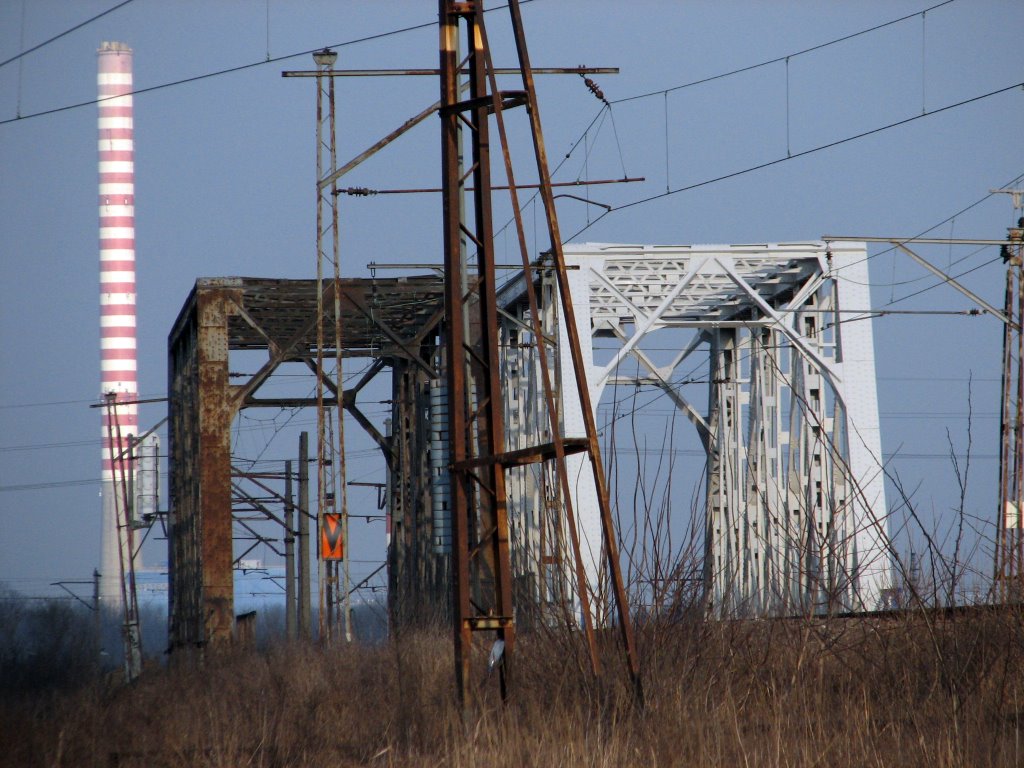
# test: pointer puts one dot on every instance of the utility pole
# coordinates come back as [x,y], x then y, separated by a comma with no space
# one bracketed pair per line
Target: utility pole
[96,618]
[1009,549]
[328,175]
[332,494]
[481,572]
[305,612]
[122,469]
[482,589]
[482,582]
[290,614]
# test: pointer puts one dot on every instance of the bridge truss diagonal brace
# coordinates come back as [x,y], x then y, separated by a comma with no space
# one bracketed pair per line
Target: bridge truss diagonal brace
[645,321]
[660,376]
[784,324]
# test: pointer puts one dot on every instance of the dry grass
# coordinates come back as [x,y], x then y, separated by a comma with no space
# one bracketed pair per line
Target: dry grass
[923,691]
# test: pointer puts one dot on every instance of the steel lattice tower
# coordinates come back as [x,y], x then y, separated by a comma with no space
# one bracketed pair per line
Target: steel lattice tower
[1009,550]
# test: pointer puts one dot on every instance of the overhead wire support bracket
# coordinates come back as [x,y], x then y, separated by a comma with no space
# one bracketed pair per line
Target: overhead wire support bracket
[900,244]
[367,192]
[581,71]
[336,174]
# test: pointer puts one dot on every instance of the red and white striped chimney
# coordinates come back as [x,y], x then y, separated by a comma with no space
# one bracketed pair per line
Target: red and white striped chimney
[117,286]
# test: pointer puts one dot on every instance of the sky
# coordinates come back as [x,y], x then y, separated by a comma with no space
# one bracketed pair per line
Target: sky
[225,171]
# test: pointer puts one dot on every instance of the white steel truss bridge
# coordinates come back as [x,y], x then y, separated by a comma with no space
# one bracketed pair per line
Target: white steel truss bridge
[795,499]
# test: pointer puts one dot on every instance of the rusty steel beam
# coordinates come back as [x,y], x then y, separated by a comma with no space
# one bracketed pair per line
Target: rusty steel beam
[461,492]
[549,399]
[491,494]
[524,456]
[216,412]
[543,173]
[366,192]
[482,589]
[332,177]
[435,72]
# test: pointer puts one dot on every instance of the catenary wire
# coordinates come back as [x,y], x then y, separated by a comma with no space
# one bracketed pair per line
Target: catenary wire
[65,33]
[239,68]
[787,158]
[778,59]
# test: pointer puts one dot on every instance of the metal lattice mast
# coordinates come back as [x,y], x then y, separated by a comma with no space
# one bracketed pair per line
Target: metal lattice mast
[482,589]
[1009,548]
[332,517]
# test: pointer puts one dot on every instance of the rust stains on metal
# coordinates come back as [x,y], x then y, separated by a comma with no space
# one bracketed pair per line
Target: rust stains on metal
[279,316]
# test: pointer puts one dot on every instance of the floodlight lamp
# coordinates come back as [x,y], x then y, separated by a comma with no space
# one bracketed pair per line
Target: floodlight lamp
[325,58]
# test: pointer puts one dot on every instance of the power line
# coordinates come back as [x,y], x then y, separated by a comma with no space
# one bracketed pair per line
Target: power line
[217,73]
[821,147]
[786,158]
[47,403]
[779,59]
[240,68]
[944,281]
[47,485]
[65,33]
[946,220]
[722,75]
[666,91]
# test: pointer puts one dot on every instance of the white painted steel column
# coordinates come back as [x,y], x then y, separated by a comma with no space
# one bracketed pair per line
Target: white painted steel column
[117,287]
[856,368]
[582,488]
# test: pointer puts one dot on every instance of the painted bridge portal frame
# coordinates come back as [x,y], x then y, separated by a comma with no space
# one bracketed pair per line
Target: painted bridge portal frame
[393,321]
[795,517]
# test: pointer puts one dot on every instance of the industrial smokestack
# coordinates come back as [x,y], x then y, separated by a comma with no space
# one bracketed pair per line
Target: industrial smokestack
[117,294]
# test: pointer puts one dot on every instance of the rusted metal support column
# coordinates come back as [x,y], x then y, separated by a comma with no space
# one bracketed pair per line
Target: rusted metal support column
[482,589]
[202,407]
[305,612]
[290,614]
[625,622]
[1009,547]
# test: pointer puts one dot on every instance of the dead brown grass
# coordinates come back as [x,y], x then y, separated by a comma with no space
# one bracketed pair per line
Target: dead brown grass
[937,690]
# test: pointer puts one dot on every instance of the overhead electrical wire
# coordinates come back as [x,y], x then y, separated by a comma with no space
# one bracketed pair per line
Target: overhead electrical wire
[789,155]
[944,281]
[607,105]
[240,68]
[50,484]
[576,144]
[924,232]
[47,403]
[803,153]
[65,33]
[779,59]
